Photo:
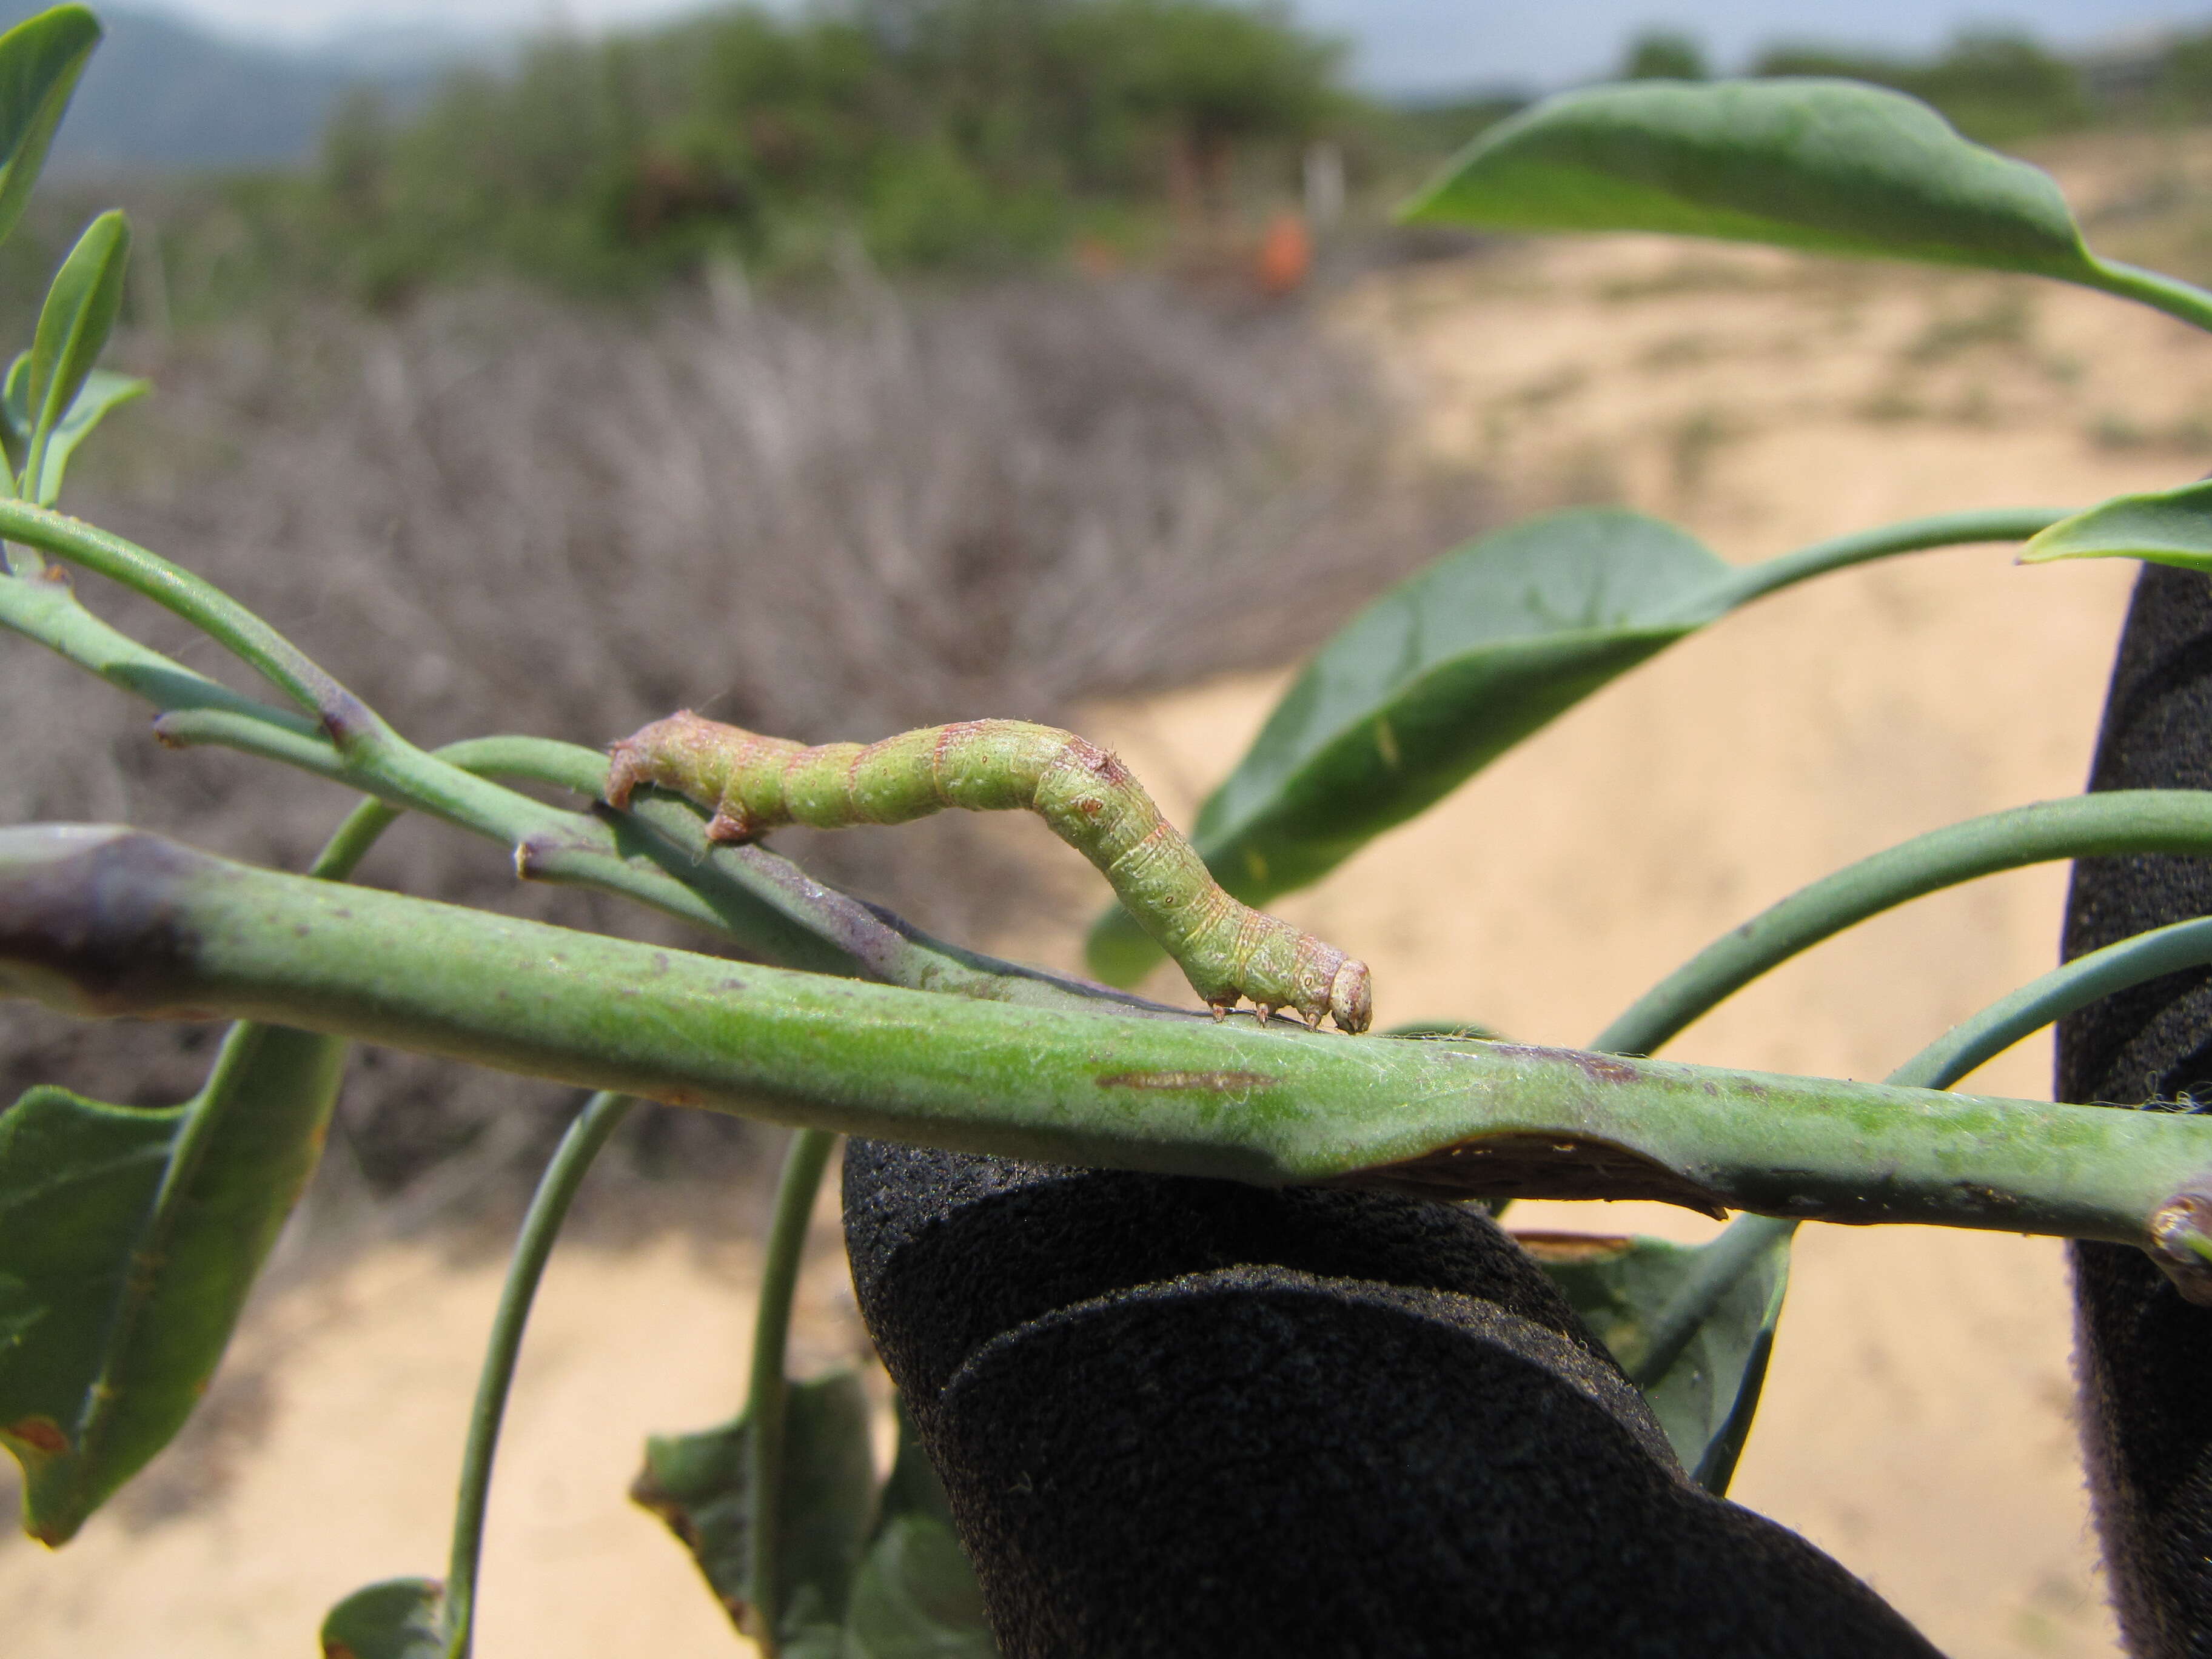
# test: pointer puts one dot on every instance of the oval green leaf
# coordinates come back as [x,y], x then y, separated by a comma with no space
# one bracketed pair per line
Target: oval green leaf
[1433,681]
[1445,672]
[1828,166]
[396,1618]
[40,60]
[129,1239]
[2166,526]
[77,1181]
[1706,1397]
[700,1485]
[80,307]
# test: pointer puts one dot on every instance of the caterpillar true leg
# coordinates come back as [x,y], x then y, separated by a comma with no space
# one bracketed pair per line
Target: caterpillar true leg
[1227,949]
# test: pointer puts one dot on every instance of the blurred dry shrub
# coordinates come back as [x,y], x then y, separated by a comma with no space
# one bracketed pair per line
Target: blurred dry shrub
[496,514]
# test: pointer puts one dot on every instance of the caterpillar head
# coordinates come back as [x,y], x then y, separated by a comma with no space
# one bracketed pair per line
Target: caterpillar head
[1351,997]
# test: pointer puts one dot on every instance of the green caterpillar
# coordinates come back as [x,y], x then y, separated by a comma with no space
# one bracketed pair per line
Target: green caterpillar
[1227,949]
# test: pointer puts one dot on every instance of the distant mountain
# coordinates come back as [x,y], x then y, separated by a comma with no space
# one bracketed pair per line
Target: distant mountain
[161,93]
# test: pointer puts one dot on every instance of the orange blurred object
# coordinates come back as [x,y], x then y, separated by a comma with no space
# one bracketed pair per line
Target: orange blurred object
[1286,255]
[1096,259]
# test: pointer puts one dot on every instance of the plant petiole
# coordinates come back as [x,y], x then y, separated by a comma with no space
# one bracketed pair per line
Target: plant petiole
[769,1395]
[541,1225]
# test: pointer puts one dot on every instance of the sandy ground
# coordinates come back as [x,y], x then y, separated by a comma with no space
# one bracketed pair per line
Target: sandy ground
[1917,1420]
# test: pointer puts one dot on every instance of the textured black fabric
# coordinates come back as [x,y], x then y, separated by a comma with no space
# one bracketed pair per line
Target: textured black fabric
[1083,1233]
[2143,1354]
[1195,1418]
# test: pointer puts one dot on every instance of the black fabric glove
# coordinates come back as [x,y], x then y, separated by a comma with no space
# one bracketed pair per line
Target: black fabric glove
[2144,1354]
[1194,1417]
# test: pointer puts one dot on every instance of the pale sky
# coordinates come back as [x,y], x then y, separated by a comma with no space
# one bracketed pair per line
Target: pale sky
[307,22]
[1404,44]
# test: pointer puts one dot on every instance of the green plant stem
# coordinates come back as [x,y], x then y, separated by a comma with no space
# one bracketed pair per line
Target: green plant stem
[230,623]
[761,900]
[1912,536]
[2120,821]
[738,893]
[549,1208]
[2117,968]
[658,853]
[2170,295]
[1966,1046]
[768,1397]
[43,608]
[101,921]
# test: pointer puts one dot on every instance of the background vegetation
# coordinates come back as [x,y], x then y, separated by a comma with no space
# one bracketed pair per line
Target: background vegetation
[931,135]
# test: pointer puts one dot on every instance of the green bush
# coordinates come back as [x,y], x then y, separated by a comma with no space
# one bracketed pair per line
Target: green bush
[933,133]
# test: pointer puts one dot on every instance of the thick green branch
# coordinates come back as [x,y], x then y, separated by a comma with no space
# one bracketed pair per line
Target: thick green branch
[108,922]
[1970,1043]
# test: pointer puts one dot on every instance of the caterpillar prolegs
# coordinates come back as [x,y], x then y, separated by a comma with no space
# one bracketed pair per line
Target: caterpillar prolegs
[1226,949]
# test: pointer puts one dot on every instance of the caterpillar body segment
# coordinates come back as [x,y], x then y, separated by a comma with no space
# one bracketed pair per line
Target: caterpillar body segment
[1226,949]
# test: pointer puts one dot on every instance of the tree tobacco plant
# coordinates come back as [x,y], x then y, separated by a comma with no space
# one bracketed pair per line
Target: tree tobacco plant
[130,1237]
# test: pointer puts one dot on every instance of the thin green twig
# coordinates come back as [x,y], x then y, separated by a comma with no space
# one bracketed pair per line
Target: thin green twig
[1974,1042]
[201,603]
[2117,821]
[768,1397]
[2170,295]
[2015,524]
[549,1208]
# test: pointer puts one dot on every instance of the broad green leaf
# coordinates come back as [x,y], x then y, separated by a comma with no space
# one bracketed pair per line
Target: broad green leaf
[129,1239]
[40,62]
[398,1618]
[698,1484]
[2166,526]
[1705,1400]
[1829,166]
[1433,681]
[80,308]
[77,1182]
[915,1595]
